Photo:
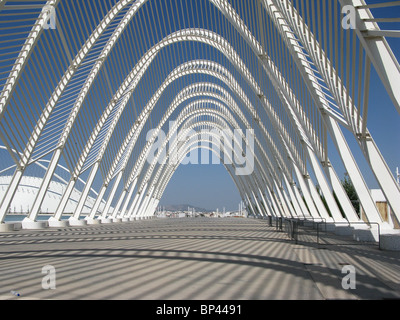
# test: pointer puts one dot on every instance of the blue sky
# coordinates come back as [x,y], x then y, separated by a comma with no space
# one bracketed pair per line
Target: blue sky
[204,186]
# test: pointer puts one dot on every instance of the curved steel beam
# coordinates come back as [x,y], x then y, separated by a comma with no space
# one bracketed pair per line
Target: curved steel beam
[170,169]
[194,124]
[186,114]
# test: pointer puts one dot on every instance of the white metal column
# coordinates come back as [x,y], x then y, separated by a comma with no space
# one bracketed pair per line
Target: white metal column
[97,204]
[44,186]
[128,199]
[86,190]
[112,194]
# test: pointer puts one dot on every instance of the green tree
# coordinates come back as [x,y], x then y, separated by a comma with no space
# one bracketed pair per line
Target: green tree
[351,193]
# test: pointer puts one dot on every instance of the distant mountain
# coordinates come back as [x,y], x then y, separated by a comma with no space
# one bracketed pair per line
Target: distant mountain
[183,207]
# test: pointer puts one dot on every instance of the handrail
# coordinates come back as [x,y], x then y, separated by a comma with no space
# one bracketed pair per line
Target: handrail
[356,223]
[294,223]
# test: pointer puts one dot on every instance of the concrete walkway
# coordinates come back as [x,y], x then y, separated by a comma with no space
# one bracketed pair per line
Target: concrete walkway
[190,259]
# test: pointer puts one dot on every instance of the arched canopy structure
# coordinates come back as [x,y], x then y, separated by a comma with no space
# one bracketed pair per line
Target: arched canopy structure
[119,92]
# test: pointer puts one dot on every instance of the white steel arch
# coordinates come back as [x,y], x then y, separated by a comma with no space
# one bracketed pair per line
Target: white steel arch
[191,110]
[283,59]
[158,178]
[263,176]
[250,188]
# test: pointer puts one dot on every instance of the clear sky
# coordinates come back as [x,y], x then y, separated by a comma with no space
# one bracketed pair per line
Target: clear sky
[205,186]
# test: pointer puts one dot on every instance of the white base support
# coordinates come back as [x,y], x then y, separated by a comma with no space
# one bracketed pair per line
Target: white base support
[390,241]
[17,226]
[54,223]
[343,230]
[309,223]
[327,225]
[73,222]
[125,220]
[28,224]
[330,227]
[116,220]
[313,223]
[364,233]
[91,221]
[6,227]
[132,219]
[106,220]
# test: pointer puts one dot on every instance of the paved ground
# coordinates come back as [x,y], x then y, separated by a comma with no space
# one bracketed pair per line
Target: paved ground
[191,259]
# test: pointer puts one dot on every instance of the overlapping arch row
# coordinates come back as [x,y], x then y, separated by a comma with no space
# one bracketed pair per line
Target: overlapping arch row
[83,93]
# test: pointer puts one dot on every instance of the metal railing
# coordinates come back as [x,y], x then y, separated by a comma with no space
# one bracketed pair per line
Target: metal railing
[279,222]
[292,226]
[350,224]
[292,229]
